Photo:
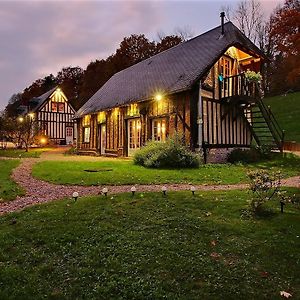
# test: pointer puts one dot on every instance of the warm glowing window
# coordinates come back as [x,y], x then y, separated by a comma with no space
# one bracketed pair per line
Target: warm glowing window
[54,106]
[133,110]
[226,66]
[159,130]
[86,121]
[101,117]
[57,106]
[86,134]
[61,106]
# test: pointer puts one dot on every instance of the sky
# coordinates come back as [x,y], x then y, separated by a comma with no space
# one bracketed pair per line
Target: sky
[40,37]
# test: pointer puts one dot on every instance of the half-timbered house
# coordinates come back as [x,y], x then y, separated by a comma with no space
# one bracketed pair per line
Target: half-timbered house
[53,115]
[197,88]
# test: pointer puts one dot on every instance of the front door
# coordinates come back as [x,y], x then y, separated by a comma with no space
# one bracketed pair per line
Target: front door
[134,135]
[69,135]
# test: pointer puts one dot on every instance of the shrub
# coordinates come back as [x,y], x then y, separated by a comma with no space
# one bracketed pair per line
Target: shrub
[244,156]
[170,154]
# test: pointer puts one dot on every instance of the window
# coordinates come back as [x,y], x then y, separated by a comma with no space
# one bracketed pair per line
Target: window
[54,106]
[61,106]
[57,106]
[86,134]
[159,130]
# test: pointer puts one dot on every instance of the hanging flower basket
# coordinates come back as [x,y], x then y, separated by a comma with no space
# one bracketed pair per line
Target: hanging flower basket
[252,76]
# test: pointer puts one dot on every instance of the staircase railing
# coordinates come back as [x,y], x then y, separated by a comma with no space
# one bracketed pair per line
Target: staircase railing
[238,85]
[275,129]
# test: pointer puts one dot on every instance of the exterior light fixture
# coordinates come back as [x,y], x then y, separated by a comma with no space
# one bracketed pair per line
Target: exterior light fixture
[105,191]
[43,141]
[164,190]
[158,97]
[193,189]
[75,196]
[31,115]
[133,190]
[20,119]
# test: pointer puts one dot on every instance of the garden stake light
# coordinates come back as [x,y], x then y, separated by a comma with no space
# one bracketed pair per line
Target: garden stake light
[133,190]
[105,191]
[75,196]
[193,189]
[164,190]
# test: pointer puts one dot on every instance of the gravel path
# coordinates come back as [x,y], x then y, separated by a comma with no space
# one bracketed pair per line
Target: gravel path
[38,191]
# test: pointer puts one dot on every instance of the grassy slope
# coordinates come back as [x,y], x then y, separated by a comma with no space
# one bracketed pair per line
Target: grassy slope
[125,172]
[33,152]
[287,111]
[150,247]
[8,188]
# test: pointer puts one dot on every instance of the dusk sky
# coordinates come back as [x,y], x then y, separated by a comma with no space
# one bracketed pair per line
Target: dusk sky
[40,37]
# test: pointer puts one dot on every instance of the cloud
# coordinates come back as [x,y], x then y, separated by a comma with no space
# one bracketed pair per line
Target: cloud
[39,38]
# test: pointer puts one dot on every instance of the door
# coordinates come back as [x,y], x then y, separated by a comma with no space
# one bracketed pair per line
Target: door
[134,135]
[226,70]
[102,139]
[69,135]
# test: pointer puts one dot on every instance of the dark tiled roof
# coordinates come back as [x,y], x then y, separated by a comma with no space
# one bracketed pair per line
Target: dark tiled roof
[38,101]
[171,71]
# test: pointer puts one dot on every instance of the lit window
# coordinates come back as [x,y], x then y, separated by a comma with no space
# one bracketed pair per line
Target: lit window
[101,117]
[86,121]
[54,106]
[86,134]
[159,130]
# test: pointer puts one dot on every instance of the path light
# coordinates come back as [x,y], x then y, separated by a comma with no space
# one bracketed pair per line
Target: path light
[164,190]
[75,196]
[193,189]
[20,119]
[105,191]
[133,190]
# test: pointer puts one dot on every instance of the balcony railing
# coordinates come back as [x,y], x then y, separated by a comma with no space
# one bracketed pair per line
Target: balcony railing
[238,85]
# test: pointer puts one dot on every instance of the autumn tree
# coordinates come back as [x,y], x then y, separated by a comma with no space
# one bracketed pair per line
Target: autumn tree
[69,79]
[285,33]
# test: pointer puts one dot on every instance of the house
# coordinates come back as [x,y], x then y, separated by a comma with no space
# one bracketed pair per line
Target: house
[198,88]
[53,115]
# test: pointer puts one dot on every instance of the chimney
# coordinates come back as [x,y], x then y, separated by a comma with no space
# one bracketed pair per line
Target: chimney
[222,15]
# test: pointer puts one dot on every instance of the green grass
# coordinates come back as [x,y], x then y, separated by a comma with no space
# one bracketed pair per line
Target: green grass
[150,247]
[117,172]
[21,153]
[8,188]
[287,112]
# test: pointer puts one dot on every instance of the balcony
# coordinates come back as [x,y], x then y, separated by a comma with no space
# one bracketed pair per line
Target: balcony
[238,88]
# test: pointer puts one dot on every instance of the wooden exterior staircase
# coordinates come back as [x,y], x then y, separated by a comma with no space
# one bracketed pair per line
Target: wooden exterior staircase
[237,90]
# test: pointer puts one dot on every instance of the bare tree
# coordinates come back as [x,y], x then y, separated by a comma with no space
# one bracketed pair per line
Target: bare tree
[248,16]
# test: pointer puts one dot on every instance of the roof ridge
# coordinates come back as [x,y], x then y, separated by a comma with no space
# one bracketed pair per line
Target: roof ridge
[176,46]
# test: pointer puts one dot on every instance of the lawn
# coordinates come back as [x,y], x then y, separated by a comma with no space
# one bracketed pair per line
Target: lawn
[8,188]
[287,111]
[150,247]
[117,172]
[21,153]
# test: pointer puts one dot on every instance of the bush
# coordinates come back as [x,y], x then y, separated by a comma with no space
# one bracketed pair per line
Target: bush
[170,154]
[244,156]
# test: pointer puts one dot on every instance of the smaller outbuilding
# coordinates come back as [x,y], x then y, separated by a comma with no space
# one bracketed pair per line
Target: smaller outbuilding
[53,115]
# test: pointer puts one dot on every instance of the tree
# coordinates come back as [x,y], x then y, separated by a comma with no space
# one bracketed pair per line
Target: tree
[248,17]
[21,131]
[285,32]
[70,78]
